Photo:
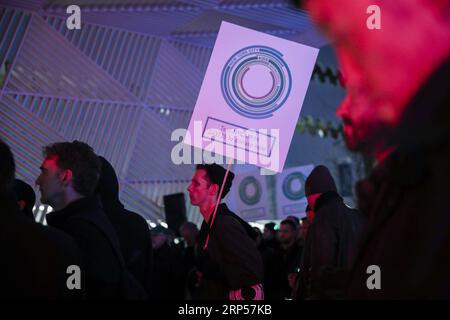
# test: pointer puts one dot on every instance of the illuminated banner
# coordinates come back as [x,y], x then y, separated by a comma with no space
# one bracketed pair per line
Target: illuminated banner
[251,97]
[251,196]
[291,199]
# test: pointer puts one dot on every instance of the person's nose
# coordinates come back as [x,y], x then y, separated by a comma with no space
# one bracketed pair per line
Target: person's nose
[343,110]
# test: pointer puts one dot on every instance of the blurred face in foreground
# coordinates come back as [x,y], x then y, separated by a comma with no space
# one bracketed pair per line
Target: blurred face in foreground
[382,68]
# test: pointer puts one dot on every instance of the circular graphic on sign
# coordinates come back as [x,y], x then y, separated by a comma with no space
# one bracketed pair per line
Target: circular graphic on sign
[250,190]
[293,186]
[256,82]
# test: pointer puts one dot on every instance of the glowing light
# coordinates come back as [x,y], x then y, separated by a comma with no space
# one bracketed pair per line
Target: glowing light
[163,224]
[38,216]
[320,133]
[257,225]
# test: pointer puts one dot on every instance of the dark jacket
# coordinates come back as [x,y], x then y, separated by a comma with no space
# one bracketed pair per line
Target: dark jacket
[34,258]
[290,261]
[330,248]
[407,203]
[86,222]
[168,274]
[190,255]
[132,230]
[232,260]
[274,277]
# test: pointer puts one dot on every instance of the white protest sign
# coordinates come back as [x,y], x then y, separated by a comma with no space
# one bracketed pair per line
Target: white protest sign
[290,186]
[251,97]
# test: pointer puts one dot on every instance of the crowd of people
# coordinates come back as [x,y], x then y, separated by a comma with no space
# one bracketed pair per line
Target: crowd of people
[397,110]
[120,257]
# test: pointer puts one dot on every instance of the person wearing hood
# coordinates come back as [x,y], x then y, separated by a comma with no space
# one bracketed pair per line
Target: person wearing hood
[132,230]
[331,241]
[230,265]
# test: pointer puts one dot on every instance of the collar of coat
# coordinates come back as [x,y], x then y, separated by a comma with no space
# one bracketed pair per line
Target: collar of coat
[78,207]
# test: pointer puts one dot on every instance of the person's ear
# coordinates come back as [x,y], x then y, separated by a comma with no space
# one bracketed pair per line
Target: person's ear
[214,189]
[67,176]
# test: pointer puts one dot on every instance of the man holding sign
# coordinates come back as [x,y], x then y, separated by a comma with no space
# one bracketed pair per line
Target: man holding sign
[246,110]
[230,266]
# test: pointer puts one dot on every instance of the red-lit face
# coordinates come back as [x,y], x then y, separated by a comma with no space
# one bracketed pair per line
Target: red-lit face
[381,68]
[367,117]
[51,181]
[201,189]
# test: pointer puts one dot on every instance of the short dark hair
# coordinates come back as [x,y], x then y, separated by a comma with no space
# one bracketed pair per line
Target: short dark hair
[289,222]
[81,159]
[258,231]
[270,226]
[293,219]
[216,174]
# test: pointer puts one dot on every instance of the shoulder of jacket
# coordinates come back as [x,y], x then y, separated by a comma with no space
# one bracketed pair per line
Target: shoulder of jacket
[80,222]
[135,218]
[225,218]
[225,222]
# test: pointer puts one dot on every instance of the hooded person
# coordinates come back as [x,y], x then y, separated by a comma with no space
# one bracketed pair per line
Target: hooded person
[331,240]
[132,230]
